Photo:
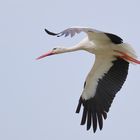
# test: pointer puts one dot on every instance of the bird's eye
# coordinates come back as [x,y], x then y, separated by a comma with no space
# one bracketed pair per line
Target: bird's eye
[54,48]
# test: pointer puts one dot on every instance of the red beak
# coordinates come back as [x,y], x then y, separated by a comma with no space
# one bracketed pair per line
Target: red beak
[45,55]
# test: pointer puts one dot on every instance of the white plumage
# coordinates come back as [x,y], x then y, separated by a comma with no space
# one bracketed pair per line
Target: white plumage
[109,72]
[101,66]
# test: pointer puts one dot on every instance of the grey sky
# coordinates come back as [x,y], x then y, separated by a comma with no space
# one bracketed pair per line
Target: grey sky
[38,98]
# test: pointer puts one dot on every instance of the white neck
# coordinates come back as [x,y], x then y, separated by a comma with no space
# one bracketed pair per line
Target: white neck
[85,44]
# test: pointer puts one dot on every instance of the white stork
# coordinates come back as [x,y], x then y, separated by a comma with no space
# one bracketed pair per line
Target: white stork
[106,77]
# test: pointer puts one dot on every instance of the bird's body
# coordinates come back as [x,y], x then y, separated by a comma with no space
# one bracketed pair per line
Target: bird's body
[106,77]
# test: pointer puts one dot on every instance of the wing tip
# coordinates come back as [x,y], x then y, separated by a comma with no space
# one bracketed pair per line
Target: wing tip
[50,33]
[79,105]
[92,115]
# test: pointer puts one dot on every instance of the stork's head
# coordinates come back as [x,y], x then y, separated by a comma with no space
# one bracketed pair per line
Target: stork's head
[85,44]
[52,52]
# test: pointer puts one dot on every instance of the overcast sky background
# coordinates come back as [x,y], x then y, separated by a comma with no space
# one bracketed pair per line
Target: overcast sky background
[38,98]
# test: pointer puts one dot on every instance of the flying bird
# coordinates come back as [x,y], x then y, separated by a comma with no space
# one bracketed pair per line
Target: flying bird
[106,77]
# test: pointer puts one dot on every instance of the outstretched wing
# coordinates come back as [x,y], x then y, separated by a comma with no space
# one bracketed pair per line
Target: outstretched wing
[72,31]
[93,34]
[100,90]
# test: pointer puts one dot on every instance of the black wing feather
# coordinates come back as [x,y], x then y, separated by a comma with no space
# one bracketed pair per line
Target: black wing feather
[84,116]
[94,120]
[50,33]
[96,108]
[114,38]
[89,120]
